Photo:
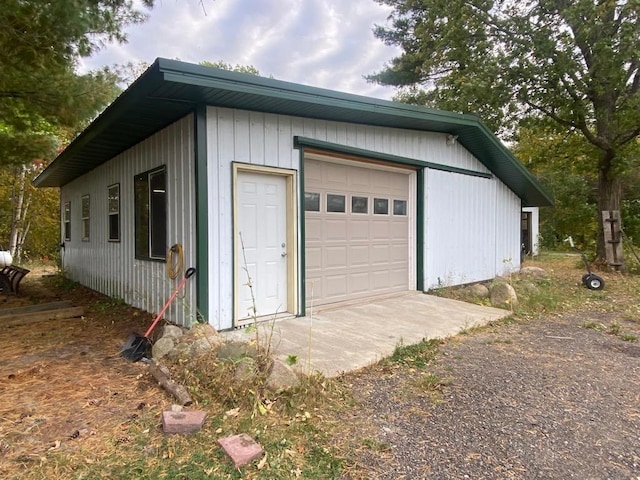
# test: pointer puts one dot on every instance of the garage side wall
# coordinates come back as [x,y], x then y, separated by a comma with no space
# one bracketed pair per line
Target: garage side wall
[111,267]
[471,229]
[267,139]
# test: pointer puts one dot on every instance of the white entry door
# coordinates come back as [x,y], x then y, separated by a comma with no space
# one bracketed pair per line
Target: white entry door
[261,254]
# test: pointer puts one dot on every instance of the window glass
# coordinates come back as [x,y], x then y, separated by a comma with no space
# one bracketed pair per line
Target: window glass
[67,221]
[336,203]
[311,202]
[381,206]
[85,218]
[151,214]
[359,205]
[114,212]
[399,207]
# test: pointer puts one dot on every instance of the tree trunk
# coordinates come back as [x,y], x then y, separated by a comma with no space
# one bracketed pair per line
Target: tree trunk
[18,197]
[20,204]
[609,198]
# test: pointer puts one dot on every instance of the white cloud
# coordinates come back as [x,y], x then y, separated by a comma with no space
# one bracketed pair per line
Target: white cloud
[324,43]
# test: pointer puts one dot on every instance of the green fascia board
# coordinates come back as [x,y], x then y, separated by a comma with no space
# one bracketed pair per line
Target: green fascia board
[171,89]
[302,142]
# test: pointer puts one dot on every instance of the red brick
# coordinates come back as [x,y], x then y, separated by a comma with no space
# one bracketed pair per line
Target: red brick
[241,448]
[183,422]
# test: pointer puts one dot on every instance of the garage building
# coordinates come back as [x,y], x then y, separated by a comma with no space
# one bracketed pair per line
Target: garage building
[283,196]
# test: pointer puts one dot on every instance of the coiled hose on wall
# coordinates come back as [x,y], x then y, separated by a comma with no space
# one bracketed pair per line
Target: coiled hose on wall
[175,261]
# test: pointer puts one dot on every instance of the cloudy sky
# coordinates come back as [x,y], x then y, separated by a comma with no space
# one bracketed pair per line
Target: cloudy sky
[324,43]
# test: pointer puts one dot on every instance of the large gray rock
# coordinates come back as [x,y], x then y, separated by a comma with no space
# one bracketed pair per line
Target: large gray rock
[479,290]
[503,296]
[172,331]
[234,351]
[200,346]
[245,370]
[282,376]
[535,272]
[162,347]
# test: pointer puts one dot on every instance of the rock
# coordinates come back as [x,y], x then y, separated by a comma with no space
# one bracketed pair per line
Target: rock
[282,376]
[479,290]
[242,449]
[528,287]
[234,351]
[200,346]
[503,295]
[162,347]
[180,350]
[245,370]
[182,422]
[536,272]
[172,331]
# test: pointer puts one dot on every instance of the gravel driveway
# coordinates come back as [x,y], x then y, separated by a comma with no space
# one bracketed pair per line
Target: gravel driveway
[548,399]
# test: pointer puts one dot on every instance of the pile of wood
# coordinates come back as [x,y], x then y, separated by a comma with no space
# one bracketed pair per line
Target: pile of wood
[13,317]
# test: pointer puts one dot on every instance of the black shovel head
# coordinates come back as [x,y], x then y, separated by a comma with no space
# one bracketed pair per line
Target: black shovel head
[136,348]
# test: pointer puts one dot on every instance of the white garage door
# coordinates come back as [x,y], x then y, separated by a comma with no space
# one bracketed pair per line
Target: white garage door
[357,231]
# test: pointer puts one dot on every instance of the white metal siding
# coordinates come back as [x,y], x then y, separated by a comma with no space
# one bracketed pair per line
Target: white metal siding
[471,233]
[267,139]
[110,267]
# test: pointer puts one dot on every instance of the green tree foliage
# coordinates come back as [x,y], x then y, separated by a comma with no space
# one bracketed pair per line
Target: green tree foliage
[575,62]
[40,93]
[249,69]
[38,229]
[44,102]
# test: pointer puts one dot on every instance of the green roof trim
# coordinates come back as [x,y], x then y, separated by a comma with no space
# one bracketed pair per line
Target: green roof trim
[170,90]
[301,142]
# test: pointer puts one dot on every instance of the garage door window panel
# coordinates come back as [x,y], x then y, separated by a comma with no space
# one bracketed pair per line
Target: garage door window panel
[359,205]
[336,203]
[381,206]
[400,207]
[311,202]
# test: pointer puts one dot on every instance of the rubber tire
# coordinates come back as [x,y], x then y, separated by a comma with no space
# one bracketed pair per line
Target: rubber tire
[594,282]
[585,278]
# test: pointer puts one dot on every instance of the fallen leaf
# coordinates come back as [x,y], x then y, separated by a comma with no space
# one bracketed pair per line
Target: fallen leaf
[262,462]
[233,412]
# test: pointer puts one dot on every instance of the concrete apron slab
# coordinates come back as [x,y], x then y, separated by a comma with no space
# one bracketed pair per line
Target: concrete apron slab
[351,337]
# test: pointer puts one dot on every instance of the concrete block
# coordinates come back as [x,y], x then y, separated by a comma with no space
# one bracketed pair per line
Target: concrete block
[182,422]
[241,448]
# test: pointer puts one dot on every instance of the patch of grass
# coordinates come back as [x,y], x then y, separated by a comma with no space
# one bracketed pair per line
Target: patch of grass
[431,385]
[615,328]
[376,445]
[628,337]
[418,355]
[291,429]
[61,282]
[597,326]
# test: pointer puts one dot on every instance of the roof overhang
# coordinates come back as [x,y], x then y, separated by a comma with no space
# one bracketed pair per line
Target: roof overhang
[170,89]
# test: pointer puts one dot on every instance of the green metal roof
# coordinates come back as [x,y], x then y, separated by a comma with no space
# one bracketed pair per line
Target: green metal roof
[170,89]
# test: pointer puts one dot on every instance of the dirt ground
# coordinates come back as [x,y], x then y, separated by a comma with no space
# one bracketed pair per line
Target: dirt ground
[63,382]
[549,399]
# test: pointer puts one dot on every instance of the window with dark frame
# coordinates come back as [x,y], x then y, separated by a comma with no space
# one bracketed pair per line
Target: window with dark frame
[85,218]
[67,221]
[113,199]
[151,214]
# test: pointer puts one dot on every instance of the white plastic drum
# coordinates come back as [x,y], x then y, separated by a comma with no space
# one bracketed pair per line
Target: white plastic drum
[5,258]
